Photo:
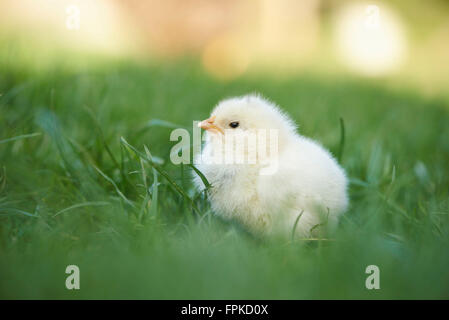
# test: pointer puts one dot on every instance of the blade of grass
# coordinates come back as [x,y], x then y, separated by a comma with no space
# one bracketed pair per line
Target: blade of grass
[82,150]
[296,224]
[115,186]
[91,161]
[23,136]
[101,135]
[143,207]
[202,176]
[144,175]
[16,211]
[145,185]
[154,199]
[49,121]
[161,172]
[84,204]
[342,140]
[182,175]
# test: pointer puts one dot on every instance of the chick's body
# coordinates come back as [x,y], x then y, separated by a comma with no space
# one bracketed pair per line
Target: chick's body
[307,182]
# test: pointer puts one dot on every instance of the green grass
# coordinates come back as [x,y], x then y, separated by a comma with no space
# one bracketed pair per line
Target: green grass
[78,186]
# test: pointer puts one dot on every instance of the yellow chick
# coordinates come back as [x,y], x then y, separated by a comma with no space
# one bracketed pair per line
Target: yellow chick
[267,176]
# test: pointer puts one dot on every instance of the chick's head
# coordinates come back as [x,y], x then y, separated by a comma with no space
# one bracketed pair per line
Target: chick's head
[248,130]
[241,115]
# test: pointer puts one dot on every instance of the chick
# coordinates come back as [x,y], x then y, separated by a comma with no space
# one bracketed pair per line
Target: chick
[304,190]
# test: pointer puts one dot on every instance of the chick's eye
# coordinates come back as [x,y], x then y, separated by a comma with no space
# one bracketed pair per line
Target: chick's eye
[234,124]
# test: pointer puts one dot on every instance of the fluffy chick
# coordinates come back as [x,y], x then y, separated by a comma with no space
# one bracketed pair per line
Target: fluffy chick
[307,188]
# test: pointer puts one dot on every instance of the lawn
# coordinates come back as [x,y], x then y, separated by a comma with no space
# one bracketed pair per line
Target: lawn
[77,187]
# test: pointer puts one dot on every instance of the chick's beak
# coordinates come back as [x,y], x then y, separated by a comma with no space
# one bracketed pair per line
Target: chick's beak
[209,125]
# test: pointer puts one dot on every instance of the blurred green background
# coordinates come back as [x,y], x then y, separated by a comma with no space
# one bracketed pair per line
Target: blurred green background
[76,76]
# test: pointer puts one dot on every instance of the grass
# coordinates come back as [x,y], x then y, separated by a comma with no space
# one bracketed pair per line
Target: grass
[86,179]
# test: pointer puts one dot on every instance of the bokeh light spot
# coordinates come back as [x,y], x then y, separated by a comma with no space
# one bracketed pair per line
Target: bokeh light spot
[370,39]
[225,57]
